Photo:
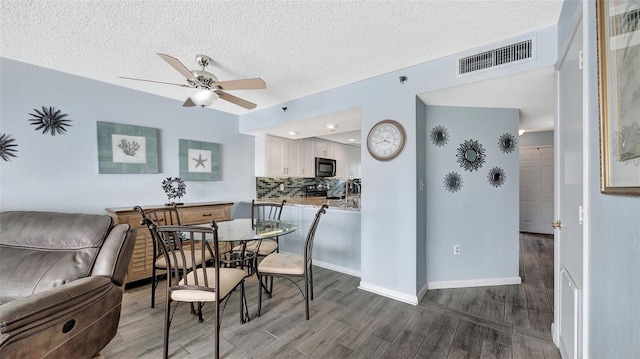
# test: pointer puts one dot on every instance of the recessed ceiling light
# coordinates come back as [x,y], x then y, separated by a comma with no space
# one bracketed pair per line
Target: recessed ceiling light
[331,126]
[352,140]
[293,133]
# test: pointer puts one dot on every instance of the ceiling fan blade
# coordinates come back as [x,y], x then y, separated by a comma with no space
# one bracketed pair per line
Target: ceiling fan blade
[236,100]
[157,82]
[246,84]
[176,64]
[188,103]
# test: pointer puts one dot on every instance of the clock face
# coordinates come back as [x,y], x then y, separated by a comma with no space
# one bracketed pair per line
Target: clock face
[386,140]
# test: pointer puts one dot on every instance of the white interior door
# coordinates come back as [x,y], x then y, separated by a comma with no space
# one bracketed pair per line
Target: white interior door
[569,194]
[536,189]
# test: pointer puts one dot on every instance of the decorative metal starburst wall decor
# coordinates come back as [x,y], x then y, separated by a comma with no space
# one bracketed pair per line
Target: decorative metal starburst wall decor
[452,182]
[470,155]
[439,136]
[496,176]
[174,188]
[7,147]
[507,143]
[50,120]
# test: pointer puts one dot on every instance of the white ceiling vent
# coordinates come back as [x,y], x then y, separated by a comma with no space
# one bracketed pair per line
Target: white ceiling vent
[506,55]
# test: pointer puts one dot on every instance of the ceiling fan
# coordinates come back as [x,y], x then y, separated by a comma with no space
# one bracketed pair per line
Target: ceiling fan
[209,88]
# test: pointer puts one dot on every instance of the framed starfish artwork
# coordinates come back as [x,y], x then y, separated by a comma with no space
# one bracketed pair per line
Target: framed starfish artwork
[199,161]
[127,149]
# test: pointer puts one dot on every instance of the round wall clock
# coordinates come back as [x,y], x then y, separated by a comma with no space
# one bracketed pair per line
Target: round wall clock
[386,140]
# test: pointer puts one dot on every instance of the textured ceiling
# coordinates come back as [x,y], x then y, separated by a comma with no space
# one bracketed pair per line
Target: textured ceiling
[297,47]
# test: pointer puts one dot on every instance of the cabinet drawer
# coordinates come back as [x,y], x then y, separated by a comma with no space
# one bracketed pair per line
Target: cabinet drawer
[197,216]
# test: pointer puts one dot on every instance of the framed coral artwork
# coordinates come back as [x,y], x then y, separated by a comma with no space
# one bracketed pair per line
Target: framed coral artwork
[618,28]
[127,149]
[199,161]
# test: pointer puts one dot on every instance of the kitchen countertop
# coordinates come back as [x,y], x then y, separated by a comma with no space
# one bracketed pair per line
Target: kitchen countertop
[316,202]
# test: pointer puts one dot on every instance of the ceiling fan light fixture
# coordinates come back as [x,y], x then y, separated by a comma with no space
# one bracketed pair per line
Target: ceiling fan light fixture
[204,98]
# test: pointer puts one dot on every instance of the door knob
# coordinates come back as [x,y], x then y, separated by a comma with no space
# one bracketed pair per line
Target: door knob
[557,224]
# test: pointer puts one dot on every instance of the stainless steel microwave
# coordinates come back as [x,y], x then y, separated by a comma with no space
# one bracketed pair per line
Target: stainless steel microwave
[325,167]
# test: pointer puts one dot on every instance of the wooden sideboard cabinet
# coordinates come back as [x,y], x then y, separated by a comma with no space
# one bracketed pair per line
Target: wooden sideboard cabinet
[190,213]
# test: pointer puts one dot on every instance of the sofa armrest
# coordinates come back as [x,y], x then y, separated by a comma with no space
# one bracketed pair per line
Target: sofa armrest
[52,303]
[115,254]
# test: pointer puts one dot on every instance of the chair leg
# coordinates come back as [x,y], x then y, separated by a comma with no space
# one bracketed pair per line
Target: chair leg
[244,309]
[259,293]
[271,287]
[167,324]
[306,296]
[200,305]
[311,279]
[217,327]
[154,284]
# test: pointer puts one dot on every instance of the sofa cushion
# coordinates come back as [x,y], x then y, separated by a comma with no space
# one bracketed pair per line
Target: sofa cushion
[50,230]
[42,250]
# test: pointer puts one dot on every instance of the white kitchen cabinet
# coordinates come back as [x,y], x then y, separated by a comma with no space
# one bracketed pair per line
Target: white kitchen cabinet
[353,155]
[308,162]
[277,157]
[342,160]
[324,148]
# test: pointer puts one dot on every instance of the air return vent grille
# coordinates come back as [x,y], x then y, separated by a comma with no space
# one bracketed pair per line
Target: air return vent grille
[501,56]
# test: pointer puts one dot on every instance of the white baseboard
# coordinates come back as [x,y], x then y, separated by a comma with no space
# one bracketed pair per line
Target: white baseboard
[474,283]
[422,292]
[399,296]
[337,268]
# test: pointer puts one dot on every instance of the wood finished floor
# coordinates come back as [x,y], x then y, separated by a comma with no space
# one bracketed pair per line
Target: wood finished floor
[485,322]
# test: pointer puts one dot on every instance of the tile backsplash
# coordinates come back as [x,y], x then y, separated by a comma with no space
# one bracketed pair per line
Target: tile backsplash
[269,187]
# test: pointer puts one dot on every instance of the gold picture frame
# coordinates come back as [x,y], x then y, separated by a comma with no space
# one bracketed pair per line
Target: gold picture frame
[618,34]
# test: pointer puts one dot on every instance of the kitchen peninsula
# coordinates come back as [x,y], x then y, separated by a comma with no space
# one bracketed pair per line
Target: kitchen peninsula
[337,240]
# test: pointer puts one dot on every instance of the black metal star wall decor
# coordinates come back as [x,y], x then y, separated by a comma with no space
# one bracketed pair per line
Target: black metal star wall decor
[50,120]
[7,147]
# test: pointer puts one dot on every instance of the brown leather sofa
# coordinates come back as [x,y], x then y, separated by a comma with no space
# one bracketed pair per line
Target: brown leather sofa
[61,283]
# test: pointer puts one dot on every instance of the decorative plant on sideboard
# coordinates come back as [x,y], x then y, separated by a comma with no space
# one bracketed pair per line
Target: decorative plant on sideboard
[174,188]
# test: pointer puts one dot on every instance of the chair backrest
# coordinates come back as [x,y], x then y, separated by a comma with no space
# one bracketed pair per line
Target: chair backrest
[163,216]
[175,243]
[266,210]
[308,244]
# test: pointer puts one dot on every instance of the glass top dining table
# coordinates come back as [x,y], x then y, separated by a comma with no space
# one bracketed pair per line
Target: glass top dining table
[241,230]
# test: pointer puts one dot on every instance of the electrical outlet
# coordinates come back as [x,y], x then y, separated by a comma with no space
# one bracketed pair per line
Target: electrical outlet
[456,249]
[281,186]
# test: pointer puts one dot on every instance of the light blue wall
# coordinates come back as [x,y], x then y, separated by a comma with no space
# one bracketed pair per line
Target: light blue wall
[533,139]
[482,219]
[389,228]
[613,226]
[61,172]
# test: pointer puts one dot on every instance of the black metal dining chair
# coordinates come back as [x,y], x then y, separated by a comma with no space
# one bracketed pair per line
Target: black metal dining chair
[193,283]
[290,266]
[261,211]
[162,216]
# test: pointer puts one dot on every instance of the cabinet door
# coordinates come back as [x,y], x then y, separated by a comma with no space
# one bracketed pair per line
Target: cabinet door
[308,163]
[342,160]
[291,151]
[275,157]
[325,149]
[354,161]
